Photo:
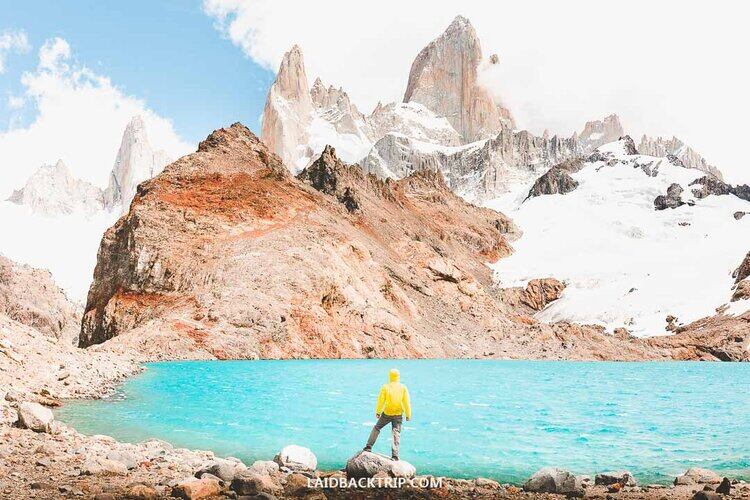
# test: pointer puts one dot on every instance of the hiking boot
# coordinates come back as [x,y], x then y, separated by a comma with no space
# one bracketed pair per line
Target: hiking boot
[367,448]
[395,458]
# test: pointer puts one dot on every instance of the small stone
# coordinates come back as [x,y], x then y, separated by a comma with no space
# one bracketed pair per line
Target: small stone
[41,485]
[624,478]
[706,495]
[483,482]
[140,491]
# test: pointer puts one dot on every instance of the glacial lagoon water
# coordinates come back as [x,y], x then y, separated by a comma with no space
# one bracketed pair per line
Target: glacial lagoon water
[500,419]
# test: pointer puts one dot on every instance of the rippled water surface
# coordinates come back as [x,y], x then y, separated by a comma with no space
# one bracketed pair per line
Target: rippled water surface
[501,419]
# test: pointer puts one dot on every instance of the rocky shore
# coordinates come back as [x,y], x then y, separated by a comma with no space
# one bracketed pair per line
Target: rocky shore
[43,458]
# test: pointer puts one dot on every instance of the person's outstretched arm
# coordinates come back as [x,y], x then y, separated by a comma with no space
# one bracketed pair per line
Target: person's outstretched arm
[380,405]
[406,403]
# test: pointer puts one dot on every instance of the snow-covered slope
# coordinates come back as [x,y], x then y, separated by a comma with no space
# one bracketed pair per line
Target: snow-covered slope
[625,263]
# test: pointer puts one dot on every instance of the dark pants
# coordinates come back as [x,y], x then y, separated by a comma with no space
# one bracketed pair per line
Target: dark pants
[395,421]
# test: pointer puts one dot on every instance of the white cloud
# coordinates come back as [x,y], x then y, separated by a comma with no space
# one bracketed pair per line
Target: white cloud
[15,102]
[53,54]
[80,118]
[12,41]
[667,68]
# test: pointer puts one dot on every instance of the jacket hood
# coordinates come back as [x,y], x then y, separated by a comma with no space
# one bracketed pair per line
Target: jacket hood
[393,375]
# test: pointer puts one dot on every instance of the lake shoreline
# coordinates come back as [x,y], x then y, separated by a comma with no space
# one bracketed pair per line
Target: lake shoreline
[65,463]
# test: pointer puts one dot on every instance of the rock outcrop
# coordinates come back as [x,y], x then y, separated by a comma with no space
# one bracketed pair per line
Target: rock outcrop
[31,297]
[556,180]
[136,162]
[598,132]
[710,185]
[684,154]
[52,190]
[672,199]
[444,77]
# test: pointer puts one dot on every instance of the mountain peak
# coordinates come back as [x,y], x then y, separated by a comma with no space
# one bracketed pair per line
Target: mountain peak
[444,78]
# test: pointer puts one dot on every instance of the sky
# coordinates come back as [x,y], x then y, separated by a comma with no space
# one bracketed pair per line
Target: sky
[72,74]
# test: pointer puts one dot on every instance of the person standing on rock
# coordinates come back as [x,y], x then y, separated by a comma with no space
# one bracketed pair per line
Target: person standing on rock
[393,403]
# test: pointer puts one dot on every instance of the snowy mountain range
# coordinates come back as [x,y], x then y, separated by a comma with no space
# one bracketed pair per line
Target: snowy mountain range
[626,262]
[637,234]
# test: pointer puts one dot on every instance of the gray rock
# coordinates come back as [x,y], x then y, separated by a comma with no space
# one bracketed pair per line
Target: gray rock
[697,475]
[129,459]
[14,396]
[368,464]
[225,470]
[706,495]
[725,487]
[555,181]
[623,477]
[554,480]
[673,198]
[265,467]
[96,466]
[35,417]
[296,458]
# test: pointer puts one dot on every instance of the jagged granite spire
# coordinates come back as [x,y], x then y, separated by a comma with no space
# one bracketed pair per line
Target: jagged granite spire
[444,78]
[136,162]
[288,109]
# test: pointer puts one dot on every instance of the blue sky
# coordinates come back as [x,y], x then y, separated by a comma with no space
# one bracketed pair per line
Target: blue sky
[167,53]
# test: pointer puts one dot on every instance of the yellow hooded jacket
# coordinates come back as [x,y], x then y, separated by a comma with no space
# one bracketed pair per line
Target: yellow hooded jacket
[393,399]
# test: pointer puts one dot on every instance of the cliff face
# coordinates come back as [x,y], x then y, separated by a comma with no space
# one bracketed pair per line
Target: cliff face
[227,255]
[675,147]
[29,296]
[444,77]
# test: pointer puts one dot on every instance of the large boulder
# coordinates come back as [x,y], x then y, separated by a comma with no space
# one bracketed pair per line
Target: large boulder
[225,470]
[554,480]
[623,478]
[250,483]
[368,464]
[697,475]
[195,489]
[35,417]
[296,458]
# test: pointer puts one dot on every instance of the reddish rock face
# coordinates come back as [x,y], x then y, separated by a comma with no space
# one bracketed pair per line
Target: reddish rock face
[226,255]
[229,253]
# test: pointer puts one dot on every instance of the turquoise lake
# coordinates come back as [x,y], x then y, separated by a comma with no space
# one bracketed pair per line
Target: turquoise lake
[500,419]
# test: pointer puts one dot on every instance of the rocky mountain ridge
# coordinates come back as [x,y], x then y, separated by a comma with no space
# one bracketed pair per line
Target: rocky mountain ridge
[227,255]
[448,121]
